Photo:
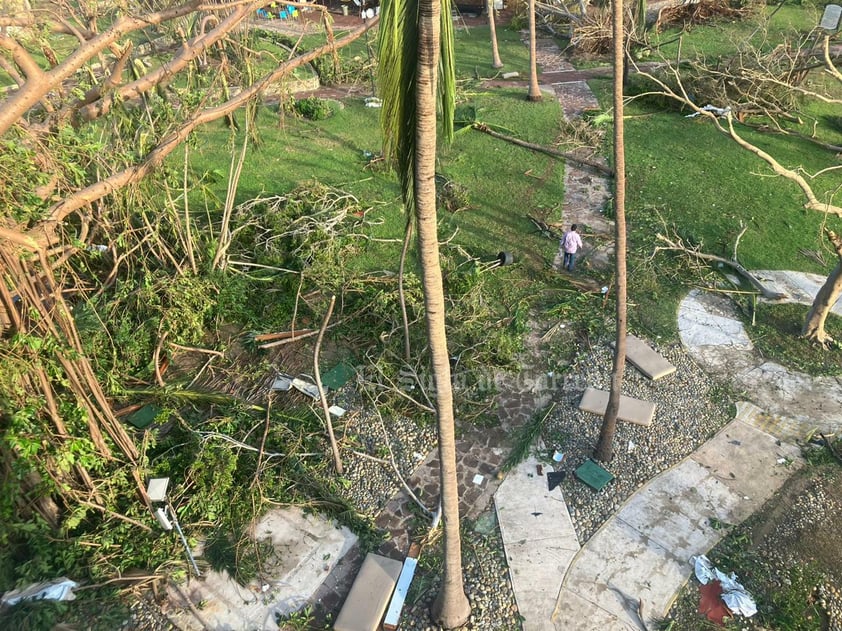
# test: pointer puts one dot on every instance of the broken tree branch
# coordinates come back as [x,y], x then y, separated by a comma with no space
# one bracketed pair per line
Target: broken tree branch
[542,149]
[337,460]
[678,246]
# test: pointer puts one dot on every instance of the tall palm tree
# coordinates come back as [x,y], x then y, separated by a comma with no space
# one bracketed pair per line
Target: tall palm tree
[416,39]
[534,89]
[492,27]
[604,447]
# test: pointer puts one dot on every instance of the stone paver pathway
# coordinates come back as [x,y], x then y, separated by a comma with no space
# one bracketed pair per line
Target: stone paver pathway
[795,403]
[629,572]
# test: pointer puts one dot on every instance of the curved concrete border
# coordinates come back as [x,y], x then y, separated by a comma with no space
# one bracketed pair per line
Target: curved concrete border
[714,335]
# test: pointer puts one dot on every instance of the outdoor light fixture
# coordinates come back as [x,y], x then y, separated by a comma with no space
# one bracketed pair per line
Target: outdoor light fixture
[156,490]
[831,18]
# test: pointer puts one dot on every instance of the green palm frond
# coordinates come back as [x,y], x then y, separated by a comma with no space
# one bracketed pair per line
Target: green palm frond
[447,72]
[397,77]
[398,46]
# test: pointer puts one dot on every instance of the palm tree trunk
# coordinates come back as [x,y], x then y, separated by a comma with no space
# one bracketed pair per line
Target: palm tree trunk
[492,27]
[451,607]
[534,89]
[604,447]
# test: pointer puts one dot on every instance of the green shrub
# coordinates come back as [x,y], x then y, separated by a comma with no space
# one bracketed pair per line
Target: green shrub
[313,108]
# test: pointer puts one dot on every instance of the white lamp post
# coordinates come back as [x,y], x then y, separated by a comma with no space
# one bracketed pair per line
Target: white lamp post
[164,512]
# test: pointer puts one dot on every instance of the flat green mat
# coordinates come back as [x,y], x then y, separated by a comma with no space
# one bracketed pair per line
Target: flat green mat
[593,475]
[144,416]
[338,376]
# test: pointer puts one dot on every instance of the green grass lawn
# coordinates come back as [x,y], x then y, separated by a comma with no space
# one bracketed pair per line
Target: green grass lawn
[501,183]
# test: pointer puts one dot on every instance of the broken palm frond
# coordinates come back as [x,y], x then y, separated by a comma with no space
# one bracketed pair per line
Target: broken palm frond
[677,245]
[542,149]
[188,395]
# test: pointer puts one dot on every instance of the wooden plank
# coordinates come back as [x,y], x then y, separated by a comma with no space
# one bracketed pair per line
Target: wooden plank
[631,410]
[366,602]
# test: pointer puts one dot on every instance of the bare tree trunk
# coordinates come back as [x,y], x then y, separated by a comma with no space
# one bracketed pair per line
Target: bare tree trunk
[492,26]
[825,299]
[451,608]
[534,88]
[604,448]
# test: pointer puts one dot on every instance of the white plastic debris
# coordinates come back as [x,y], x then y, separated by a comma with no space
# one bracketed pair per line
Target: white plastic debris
[558,456]
[479,479]
[631,446]
[57,589]
[310,389]
[734,595]
[373,101]
[719,111]
[336,411]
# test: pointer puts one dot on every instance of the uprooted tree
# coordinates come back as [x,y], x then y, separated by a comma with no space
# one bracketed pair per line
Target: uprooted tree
[85,129]
[761,90]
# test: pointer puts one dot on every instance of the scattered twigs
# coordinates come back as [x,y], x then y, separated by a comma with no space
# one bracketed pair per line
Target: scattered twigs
[542,149]
[677,245]
[257,469]
[116,515]
[831,448]
[196,349]
[191,606]
[337,459]
[296,337]
[283,335]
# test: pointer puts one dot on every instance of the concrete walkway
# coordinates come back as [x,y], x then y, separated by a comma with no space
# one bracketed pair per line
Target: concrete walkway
[627,575]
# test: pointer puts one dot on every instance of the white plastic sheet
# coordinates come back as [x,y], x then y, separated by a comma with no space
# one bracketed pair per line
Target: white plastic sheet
[57,589]
[734,595]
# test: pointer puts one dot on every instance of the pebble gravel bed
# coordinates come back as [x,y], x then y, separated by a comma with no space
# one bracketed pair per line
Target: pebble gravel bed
[486,578]
[372,483]
[690,407]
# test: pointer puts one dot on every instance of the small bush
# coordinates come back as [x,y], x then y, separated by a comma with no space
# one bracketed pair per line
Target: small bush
[313,108]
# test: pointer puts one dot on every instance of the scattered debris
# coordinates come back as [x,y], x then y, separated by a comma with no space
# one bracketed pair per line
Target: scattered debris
[510,75]
[554,478]
[558,456]
[57,589]
[373,101]
[282,382]
[710,603]
[503,259]
[306,387]
[144,417]
[393,613]
[734,595]
[479,479]
[593,475]
[283,335]
[719,111]
[336,411]
[338,376]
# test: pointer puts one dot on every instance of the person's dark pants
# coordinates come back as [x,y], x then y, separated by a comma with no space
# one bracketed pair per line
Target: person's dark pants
[569,261]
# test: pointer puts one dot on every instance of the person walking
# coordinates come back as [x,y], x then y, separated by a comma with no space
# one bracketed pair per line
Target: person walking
[570,244]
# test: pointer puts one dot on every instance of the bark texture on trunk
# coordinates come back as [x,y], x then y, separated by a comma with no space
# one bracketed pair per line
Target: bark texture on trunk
[605,445]
[826,297]
[492,27]
[451,608]
[534,88]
